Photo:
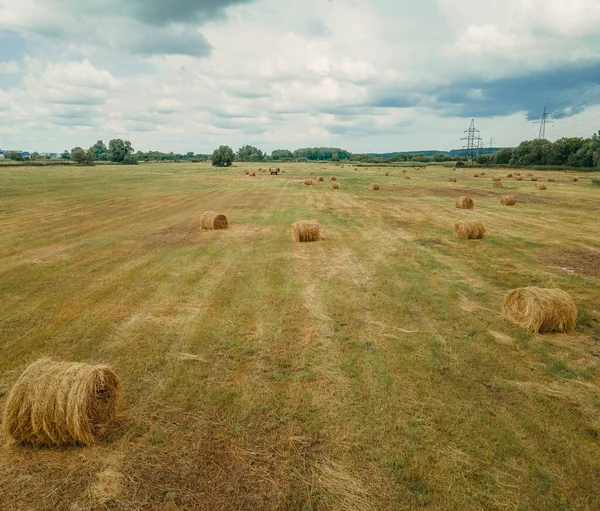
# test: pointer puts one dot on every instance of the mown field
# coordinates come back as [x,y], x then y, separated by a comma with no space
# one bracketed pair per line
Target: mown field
[370,371]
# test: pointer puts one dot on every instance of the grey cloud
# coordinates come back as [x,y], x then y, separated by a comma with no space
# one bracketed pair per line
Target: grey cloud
[161,12]
[168,41]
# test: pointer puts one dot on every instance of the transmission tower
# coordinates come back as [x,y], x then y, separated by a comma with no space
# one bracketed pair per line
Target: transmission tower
[473,140]
[545,120]
[491,144]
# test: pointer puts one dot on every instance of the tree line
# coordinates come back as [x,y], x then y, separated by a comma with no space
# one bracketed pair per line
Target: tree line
[571,152]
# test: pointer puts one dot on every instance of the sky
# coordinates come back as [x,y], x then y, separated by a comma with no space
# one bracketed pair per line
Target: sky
[363,75]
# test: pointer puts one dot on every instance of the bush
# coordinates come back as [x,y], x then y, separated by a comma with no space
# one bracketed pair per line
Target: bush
[130,159]
[596,181]
[460,164]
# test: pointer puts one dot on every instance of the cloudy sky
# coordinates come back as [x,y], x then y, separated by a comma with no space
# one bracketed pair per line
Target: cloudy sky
[365,75]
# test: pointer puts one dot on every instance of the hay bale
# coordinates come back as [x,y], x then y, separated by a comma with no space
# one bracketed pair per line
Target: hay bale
[551,180]
[335,186]
[311,172]
[509,175]
[469,230]
[61,403]
[246,172]
[306,231]
[321,179]
[308,182]
[374,186]
[213,221]
[475,175]
[541,310]
[253,174]
[534,179]
[387,173]
[529,174]
[540,187]
[452,180]
[497,184]
[482,173]
[575,179]
[404,171]
[518,178]
[465,203]
[517,173]
[333,178]
[495,179]
[406,176]
[508,200]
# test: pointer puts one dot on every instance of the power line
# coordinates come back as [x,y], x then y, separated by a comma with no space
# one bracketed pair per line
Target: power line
[542,123]
[473,140]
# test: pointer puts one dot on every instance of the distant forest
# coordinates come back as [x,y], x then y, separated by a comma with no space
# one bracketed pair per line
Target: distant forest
[569,152]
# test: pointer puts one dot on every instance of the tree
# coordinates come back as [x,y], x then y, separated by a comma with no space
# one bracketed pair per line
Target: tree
[14,155]
[100,151]
[282,155]
[249,153]
[35,155]
[118,150]
[223,156]
[82,157]
[65,155]
[130,159]
[503,156]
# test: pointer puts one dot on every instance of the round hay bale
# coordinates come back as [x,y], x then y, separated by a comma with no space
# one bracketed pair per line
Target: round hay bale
[335,186]
[253,174]
[213,221]
[61,403]
[517,173]
[475,175]
[321,179]
[333,178]
[246,172]
[541,310]
[508,200]
[482,173]
[551,180]
[311,172]
[540,187]
[387,173]
[452,180]
[406,176]
[495,179]
[518,178]
[404,171]
[306,231]
[465,203]
[374,186]
[469,230]
[529,174]
[534,179]
[509,175]
[497,184]
[308,182]
[575,179]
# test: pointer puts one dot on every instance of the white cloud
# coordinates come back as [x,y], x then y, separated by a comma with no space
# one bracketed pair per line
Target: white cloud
[369,75]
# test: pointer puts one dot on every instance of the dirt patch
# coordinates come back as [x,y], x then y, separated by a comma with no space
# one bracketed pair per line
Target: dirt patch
[580,261]
[173,236]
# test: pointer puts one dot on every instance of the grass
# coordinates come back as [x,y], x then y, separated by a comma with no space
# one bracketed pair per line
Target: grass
[369,371]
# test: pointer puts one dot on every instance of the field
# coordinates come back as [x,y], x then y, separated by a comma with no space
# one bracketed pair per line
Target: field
[370,371]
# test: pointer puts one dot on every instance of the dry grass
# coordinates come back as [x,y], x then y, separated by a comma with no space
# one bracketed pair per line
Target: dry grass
[213,221]
[469,230]
[508,200]
[335,186]
[497,184]
[465,203]
[518,178]
[306,231]
[541,310]
[60,403]
[541,187]
[374,186]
